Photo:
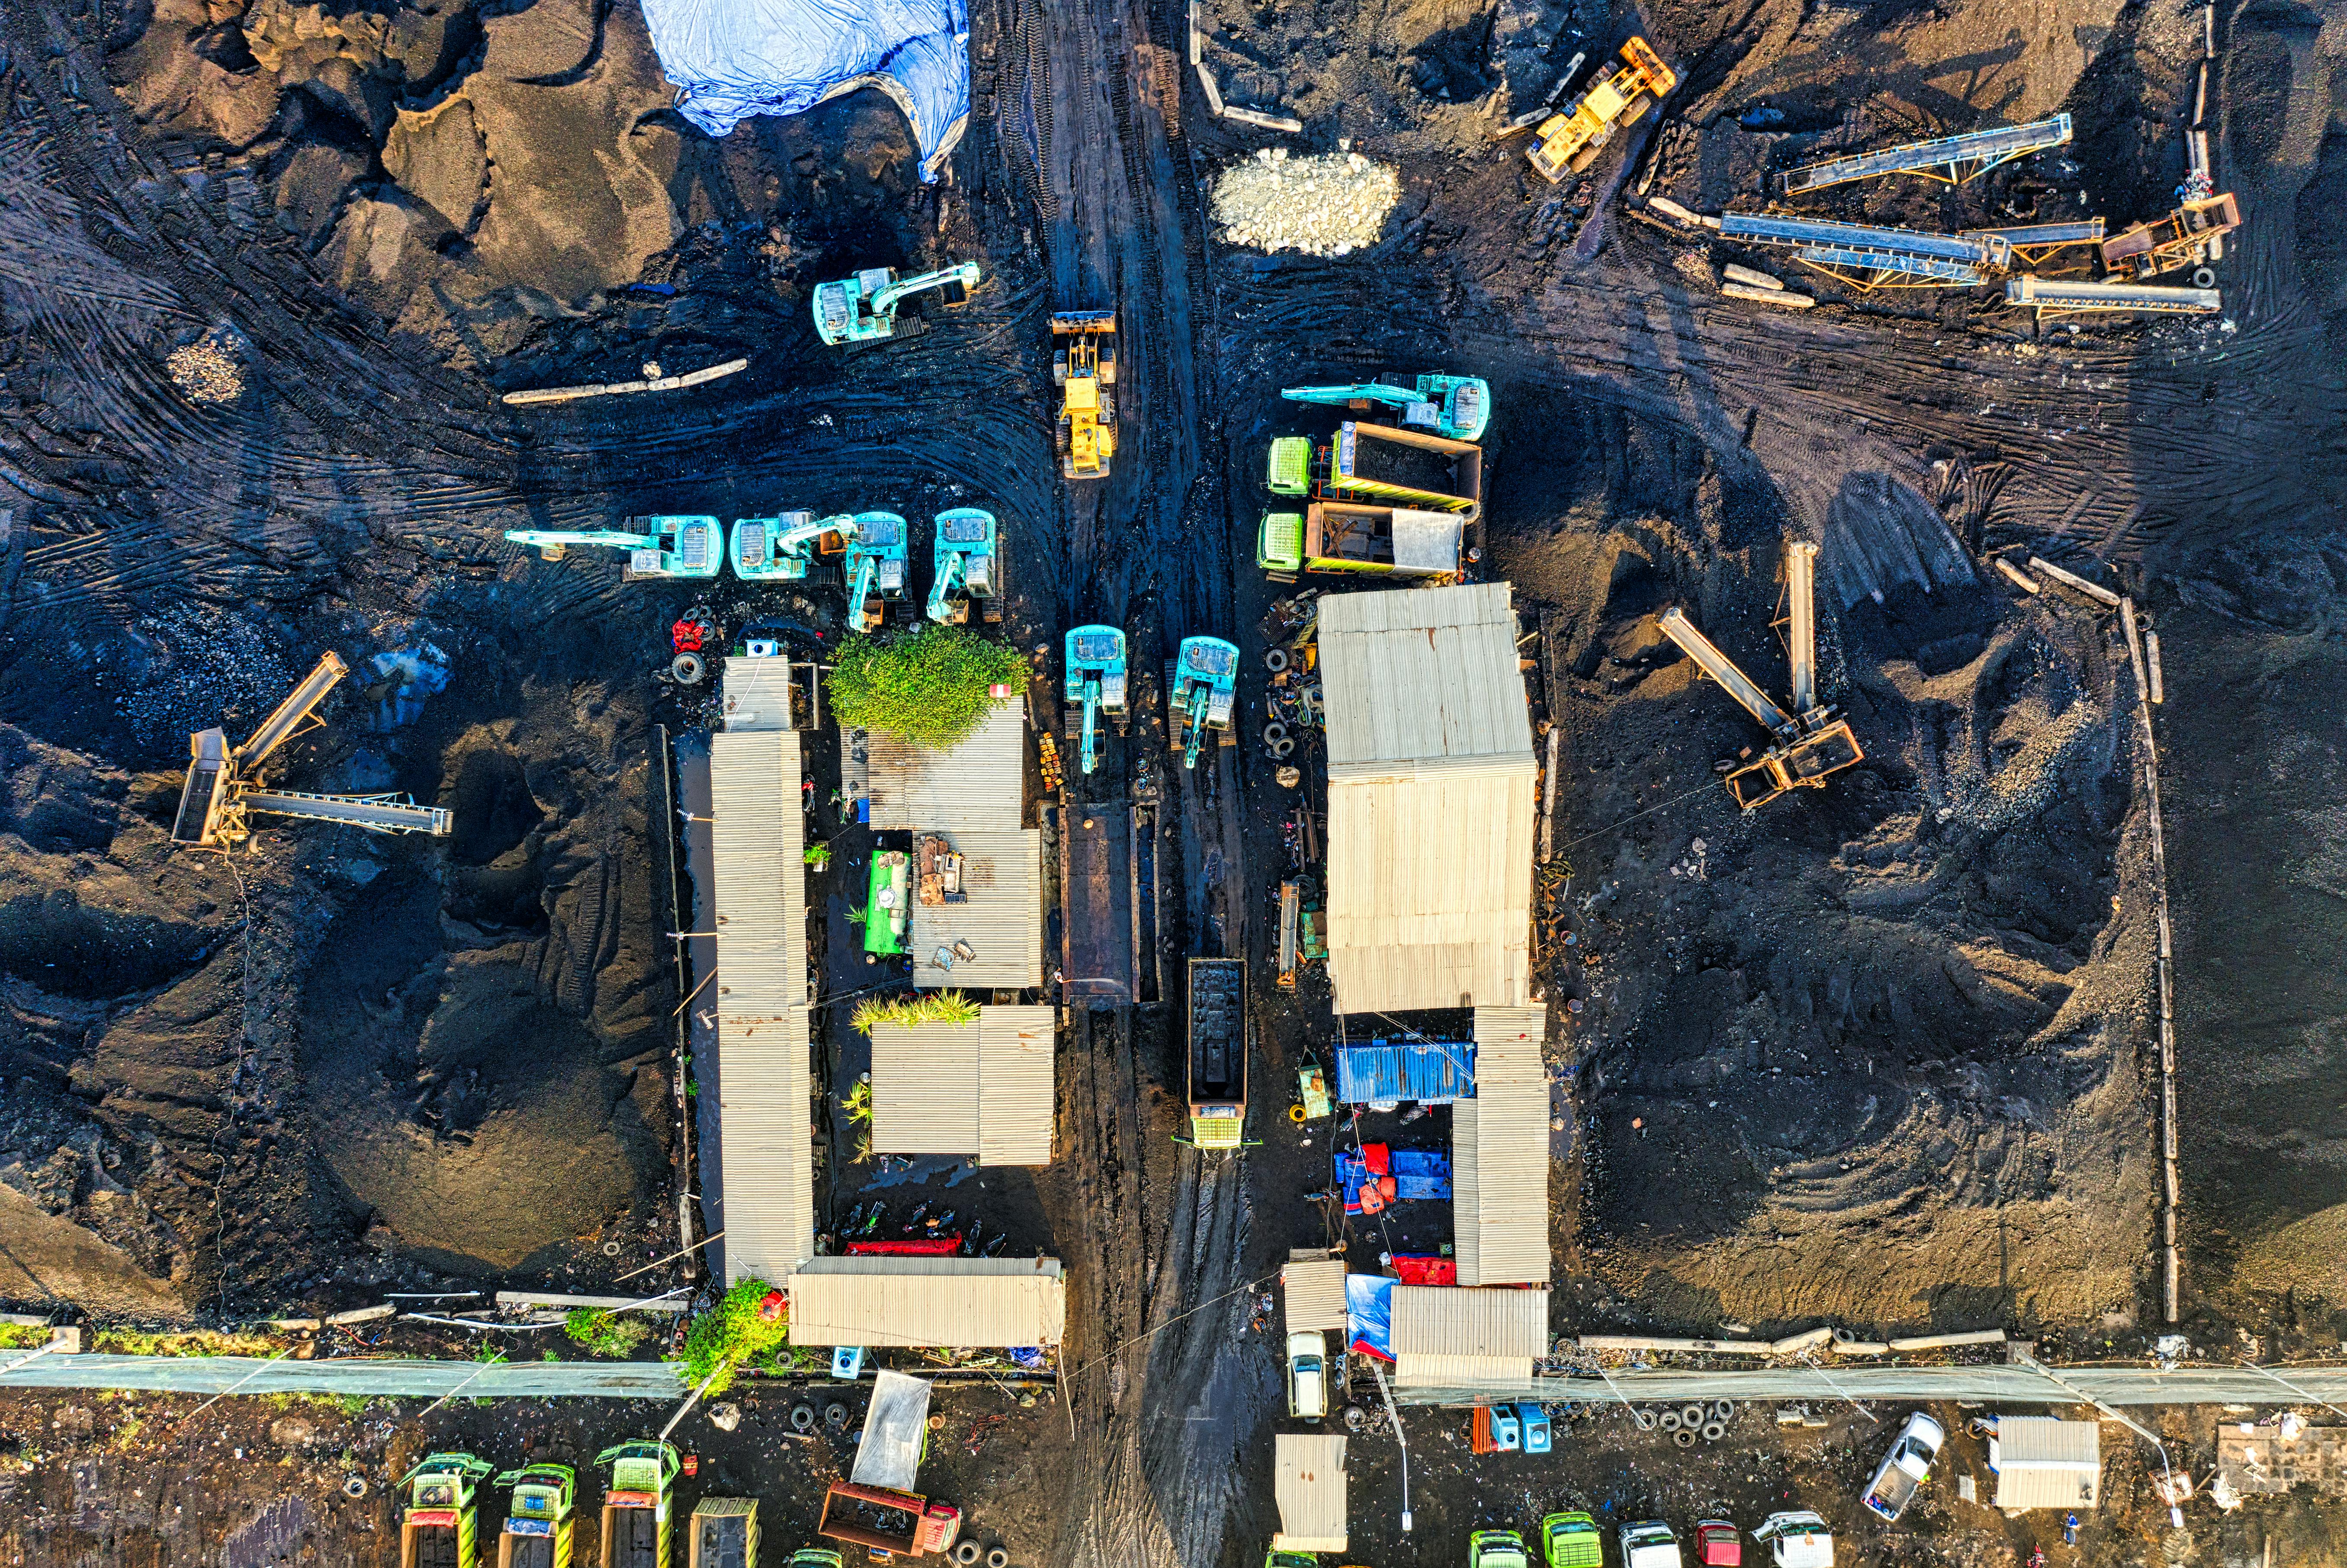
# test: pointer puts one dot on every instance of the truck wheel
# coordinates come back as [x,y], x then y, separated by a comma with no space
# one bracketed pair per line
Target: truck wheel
[2204,277]
[802,1417]
[1691,1416]
[967,1552]
[834,1415]
[354,1486]
[1684,1438]
[1723,1410]
[1274,659]
[1671,1421]
[1714,1431]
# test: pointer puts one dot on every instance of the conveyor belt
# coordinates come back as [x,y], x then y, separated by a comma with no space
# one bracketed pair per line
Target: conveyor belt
[377,813]
[1963,156]
[2048,296]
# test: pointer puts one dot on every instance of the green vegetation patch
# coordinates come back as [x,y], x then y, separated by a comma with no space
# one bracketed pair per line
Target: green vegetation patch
[732,1335]
[928,687]
[605,1333]
[910,1012]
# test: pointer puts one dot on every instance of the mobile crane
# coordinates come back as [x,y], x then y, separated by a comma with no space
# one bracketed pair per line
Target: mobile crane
[1084,368]
[875,566]
[863,309]
[681,547]
[968,565]
[1811,744]
[220,791]
[1198,694]
[775,549]
[1570,141]
[1095,678]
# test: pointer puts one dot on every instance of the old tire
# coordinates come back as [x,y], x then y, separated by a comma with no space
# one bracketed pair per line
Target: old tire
[1295,1113]
[354,1486]
[687,668]
[1672,1421]
[1642,1418]
[834,1415]
[1274,659]
[802,1417]
[1274,733]
[1283,747]
[1355,1417]
[998,1558]
[967,1552]
[2204,277]
[1714,1431]
[1691,1416]
[1723,1410]
[1684,1438]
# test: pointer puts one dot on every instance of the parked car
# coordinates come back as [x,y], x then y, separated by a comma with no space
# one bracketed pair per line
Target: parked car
[1307,1374]
[1496,1549]
[1649,1545]
[1571,1541]
[1797,1538]
[1719,1543]
[1905,1468]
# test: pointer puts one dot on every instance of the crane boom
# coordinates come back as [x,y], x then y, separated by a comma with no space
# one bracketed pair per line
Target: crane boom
[1800,593]
[288,714]
[1720,668]
[375,813]
[612,537]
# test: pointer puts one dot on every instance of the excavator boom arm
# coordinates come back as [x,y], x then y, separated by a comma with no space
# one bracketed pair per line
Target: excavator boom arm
[952,575]
[288,714]
[595,536]
[1374,392]
[962,272]
[1720,668]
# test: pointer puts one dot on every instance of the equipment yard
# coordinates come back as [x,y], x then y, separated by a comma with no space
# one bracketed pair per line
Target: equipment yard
[1143,733]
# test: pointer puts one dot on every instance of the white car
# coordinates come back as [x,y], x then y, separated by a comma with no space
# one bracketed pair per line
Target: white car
[1307,1374]
[1905,1469]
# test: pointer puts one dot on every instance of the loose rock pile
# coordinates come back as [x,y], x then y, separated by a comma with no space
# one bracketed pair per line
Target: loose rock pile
[208,370]
[1326,206]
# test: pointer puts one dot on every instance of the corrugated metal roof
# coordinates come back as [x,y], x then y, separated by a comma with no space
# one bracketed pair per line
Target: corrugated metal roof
[977,785]
[1433,1072]
[757,833]
[765,1086]
[1422,675]
[1499,1203]
[970,1302]
[1443,1319]
[1001,916]
[1508,1044]
[1431,793]
[1424,1369]
[1017,1090]
[756,693]
[1308,1484]
[984,1088]
[763,1117]
[925,1089]
[2042,1462]
[1313,1292]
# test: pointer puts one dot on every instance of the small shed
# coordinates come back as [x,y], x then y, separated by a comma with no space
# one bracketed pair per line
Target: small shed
[983,1088]
[1450,1337]
[2042,1462]
[945,1302]
[1308,1483]
[1313,1288]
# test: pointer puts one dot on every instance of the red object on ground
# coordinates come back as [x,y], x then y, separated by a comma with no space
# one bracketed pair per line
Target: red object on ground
[693,1464]
[921,1246]
[1413,1270]
[1719,1544]
[689,634]
[1379,1159]
[771,1307]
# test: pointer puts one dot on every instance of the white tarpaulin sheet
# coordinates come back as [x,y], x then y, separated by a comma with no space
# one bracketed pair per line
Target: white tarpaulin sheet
[890,1453]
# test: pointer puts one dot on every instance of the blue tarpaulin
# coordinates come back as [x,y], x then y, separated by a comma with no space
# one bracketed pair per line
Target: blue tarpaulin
[1382,1071]
[731,59]
[1368,1314]
[1416,1174]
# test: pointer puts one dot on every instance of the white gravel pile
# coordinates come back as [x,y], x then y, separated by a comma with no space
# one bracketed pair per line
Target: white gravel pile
[1330,205]
[208,370]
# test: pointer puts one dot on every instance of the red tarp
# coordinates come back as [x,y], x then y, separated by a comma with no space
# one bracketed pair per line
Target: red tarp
[1413,1270]
[923,1247]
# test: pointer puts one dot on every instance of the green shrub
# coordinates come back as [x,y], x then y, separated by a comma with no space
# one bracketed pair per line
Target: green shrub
[730,1335]
[604,1334]
[908,1013]
[928,687]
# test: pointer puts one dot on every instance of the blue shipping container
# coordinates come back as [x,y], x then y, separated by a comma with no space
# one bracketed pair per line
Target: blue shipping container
[1433,1072]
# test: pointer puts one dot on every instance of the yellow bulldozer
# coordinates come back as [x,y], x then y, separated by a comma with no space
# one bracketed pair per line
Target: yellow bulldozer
[1570,141]
[1083,366]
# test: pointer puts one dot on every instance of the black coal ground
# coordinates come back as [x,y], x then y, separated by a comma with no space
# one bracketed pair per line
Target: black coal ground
[173,1123]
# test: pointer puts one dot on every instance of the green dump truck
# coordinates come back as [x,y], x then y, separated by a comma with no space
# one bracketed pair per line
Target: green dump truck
[636,1503]
[441,1528]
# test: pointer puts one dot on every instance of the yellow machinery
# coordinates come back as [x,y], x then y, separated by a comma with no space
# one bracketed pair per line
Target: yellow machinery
[1570,141]
[2191,236]
[1083,366]
[1811,744]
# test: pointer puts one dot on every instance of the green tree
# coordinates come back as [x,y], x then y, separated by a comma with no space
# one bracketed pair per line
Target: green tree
[733,1334]
[928,687]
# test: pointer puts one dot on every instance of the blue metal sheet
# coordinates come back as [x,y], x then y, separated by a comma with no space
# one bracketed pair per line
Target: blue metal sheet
[1433,1072]
[1773,230]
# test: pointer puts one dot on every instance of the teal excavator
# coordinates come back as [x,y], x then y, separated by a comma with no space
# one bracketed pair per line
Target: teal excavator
[1457,406]
[669,545]
[1205,679]
[775,549]
[875,565]
[863,309]
[969,567]
[1095,679]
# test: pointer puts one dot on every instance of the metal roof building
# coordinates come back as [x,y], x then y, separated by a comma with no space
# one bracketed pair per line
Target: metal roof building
[1308,1484]
[2042,1463]
[1312,1286]
[1430,795]
[1383,1071]
[978,1303]
[766,1084]
[973,794]
[1499,1154]
[1449,1336]
[984,1088]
